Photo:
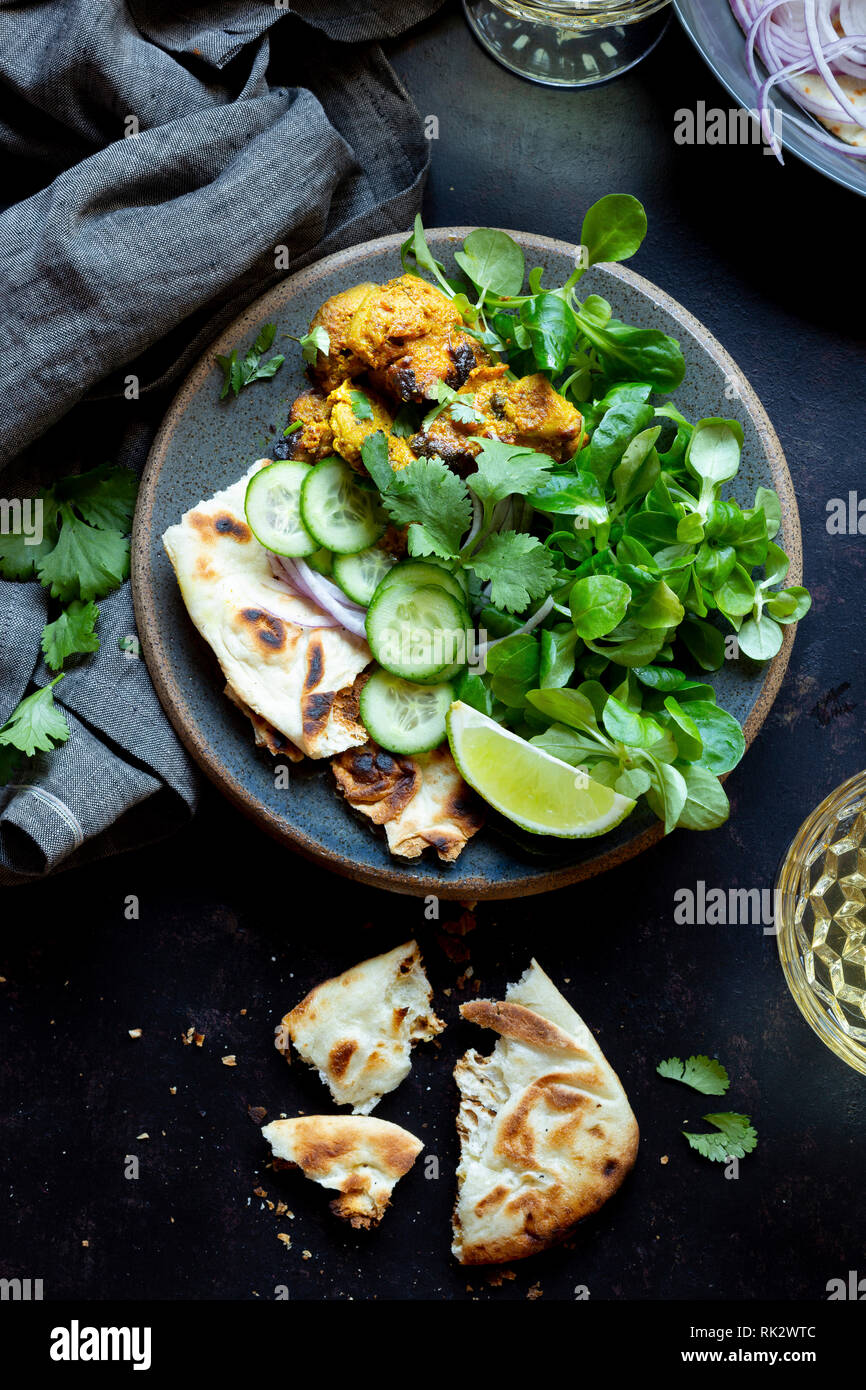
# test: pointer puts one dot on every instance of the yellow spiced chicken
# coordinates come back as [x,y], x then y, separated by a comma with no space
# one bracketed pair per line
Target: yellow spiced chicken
[390,348]
[406,335]
[525,410]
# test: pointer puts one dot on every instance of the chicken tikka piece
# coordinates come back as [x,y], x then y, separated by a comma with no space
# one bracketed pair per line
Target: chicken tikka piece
[392,344]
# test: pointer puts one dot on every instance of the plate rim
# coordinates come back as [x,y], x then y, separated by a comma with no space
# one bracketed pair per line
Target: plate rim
[172,698]
[806,155]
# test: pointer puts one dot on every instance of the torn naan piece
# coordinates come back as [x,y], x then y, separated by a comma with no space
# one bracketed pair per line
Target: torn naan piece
[547,1134]
[297,679]
[422,800]
[358,1029]
[359,1157]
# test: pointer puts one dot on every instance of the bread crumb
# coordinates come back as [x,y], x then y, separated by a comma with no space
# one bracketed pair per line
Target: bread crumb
[134,1032]
[85,1243]
[243,1012]
[663,1159]
[306,1254]
[534,1292]
[259,1192]
[199,1039]
[186,1038]
[173,1090]
[256,1113]
[497,1279]
[285,1238]
[143,1136]
[230,1060]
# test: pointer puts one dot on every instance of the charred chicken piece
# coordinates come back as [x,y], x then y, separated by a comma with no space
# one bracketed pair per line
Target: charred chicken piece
[527,411]
[314,440]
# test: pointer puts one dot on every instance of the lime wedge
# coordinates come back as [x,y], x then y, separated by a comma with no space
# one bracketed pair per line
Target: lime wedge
[535,790]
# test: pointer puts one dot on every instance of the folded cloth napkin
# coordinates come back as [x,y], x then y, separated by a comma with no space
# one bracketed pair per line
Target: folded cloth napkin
[159,165]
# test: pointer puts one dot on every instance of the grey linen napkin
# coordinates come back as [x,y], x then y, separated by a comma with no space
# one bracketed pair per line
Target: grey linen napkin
[159,165]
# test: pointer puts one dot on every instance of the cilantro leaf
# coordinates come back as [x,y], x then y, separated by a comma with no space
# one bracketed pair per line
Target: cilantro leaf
[361,407]
[71,633]
[735,1137]
[37,725]
[518,567]
[460,404]
[265,339]
[504,469]
[317,341]
[405,421]
[377,461]
[434,503]
[86,563]
[464,412]
[18,560]
[105,496]
[237,375]
[704,1074]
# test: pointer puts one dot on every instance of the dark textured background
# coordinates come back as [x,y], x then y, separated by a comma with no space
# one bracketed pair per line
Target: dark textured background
[771,260]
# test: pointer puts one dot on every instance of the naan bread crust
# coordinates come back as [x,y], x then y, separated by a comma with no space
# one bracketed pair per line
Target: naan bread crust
[547,1133]
[290,677]
[358,1029]
[422,800]
[359,1157]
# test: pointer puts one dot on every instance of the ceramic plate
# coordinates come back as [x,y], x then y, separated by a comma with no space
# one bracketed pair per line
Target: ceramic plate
[204,444]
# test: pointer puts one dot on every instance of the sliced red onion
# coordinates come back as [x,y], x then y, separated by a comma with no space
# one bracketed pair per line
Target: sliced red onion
[539,616]
[797,38]
[316,587]
[320,619]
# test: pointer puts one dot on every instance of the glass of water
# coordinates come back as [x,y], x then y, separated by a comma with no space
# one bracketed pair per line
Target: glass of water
[568,43]
[821,920]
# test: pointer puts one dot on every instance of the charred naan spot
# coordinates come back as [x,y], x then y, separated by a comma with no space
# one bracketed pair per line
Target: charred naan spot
[610,1167]
[269,630]
[316,708]
[399,1015]
[385,763]
[340,1056]
[315,664]
[494,1198]
[223,524]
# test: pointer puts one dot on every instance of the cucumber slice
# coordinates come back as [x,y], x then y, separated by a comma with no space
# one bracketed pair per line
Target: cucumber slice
[416,572]
[338,511]
[359,575]
[402,716]
[418,632]
[273,508]
[322,561]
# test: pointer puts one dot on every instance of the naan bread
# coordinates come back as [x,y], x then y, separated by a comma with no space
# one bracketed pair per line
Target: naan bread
[358,1029]
[296,679]
[546,1130]
[361,1158]
[812,84]
[422,800]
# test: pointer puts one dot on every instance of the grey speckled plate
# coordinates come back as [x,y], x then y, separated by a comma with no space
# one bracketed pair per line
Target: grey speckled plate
[205,444]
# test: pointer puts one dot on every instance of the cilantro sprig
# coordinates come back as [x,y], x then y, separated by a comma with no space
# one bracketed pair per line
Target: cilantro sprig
[241,372]
[704,1074]
[437,507]
[733,1135]
[83,556]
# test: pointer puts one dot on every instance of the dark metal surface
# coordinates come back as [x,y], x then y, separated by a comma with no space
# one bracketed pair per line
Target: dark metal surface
[769,259]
